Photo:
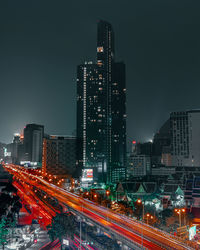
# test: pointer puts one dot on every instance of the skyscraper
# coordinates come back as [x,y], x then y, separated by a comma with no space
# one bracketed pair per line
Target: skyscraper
[118,125]
[92,119]
[101,111]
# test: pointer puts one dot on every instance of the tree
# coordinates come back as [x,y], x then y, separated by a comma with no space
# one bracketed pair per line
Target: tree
[11,224]
[3,232]
[111,244]
[62,224]
[9,189]
[166,213]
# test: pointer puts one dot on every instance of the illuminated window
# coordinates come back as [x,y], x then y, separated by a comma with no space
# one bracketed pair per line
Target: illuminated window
[99,49]
[99,62]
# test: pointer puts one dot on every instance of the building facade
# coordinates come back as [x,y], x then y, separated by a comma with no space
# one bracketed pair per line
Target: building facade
[139,165]
[33,141]
[59,155]
[101,111]
[92,119]
[185,138]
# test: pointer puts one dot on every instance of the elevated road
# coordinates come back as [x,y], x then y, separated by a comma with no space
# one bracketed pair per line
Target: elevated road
[134,232]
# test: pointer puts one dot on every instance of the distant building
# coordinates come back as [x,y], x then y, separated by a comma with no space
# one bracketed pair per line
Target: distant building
[20,153]
[162,139]
[16,142]
[166,157]
[138,165]
[163,170]
[33,141]
[161,152]
[59,155]
[14,148]
[145,148]
[7,153]
[185,138]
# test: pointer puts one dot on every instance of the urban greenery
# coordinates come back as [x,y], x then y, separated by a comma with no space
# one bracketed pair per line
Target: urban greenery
[62,225]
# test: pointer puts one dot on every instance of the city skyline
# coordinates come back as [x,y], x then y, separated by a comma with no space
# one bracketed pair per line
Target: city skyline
[100,124]
[39,58]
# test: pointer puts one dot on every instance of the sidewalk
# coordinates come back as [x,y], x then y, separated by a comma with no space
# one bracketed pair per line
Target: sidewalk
[42,240]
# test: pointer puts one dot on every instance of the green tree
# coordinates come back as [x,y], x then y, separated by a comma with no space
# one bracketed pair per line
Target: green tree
[166,213]
[63,224]
[11,224]
[3,232]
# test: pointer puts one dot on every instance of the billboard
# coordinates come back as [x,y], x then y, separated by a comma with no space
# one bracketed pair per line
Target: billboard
[192,232]
[87,175]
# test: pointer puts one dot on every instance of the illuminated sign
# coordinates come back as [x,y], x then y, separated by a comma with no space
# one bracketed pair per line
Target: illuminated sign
[28,163]
[66,242]
[6,153]
[16,134]
[192,232]
[87,175]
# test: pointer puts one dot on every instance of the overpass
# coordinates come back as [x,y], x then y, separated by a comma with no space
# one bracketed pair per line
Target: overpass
[130,232]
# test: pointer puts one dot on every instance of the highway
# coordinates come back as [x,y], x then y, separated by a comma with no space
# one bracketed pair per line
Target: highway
[133,230]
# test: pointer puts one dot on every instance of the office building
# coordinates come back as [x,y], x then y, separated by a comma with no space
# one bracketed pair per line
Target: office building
[118,128]
[59,155]
[162,139]
[33,141]
[138,165]
[145,148]
[185,138]
[101,111]
[92,119]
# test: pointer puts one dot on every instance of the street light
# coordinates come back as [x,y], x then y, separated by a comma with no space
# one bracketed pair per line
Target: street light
[180,212]
[107,192]
[139,201]
[148,218]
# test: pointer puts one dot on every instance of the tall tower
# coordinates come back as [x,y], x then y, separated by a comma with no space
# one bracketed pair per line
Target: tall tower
[105,48]
[101,111]
[118,126]
[92,119]
[105,62]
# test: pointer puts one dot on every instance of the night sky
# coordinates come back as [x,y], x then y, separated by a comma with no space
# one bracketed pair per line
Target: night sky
[42,42]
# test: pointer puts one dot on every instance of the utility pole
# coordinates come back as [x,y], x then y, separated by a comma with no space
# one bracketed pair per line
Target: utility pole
[80,235]
[180,218]
[142,223]
[81,227]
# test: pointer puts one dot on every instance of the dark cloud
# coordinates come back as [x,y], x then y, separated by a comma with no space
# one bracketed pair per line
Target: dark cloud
[42,42]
